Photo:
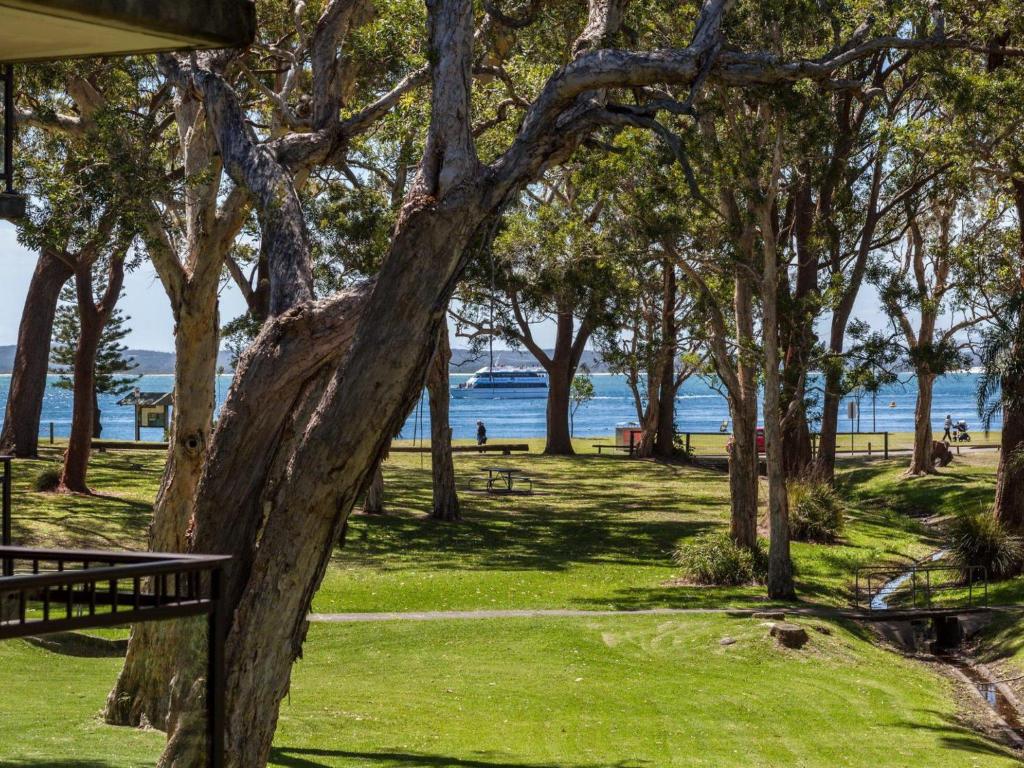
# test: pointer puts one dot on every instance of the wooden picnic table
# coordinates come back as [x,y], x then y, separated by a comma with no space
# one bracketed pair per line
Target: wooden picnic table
[503,479]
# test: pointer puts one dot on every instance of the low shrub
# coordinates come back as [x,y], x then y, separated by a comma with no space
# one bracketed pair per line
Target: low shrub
[714,558]
[47,480]
[978,538]
[816,513]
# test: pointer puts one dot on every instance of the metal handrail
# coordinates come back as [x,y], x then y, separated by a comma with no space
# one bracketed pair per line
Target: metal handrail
[159,586]
[869,582]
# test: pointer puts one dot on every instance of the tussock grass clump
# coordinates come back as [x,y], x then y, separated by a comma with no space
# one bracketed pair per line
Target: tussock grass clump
[977,538]
[715,559]
[816,513]
[47,480]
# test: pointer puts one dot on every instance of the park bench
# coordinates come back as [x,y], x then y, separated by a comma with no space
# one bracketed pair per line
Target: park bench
[504,480]
[630,449]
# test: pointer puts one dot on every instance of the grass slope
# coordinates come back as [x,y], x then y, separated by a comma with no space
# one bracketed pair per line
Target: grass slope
[629,692]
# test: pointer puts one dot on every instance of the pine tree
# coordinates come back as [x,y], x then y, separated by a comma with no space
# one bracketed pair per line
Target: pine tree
[113,369]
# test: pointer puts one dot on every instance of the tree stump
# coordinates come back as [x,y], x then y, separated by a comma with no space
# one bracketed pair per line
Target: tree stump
[790,635]
[941,455]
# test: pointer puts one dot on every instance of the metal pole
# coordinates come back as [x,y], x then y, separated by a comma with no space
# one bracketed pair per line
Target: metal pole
[215,705]
[9,129]
[5,534]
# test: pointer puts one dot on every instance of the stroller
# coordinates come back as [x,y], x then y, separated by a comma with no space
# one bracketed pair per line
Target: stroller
[960,433]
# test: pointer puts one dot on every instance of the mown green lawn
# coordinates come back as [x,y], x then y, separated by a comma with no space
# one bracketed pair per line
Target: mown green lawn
[625,691]
[597,534]
[551,693]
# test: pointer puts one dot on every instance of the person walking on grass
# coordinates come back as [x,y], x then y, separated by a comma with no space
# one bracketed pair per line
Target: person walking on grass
[481,433]
[948,424]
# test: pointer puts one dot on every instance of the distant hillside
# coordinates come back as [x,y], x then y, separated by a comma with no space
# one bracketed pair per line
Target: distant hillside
[149,361]
[463,361]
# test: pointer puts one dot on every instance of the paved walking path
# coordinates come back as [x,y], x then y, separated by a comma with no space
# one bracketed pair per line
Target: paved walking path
[341,618]
[823,611]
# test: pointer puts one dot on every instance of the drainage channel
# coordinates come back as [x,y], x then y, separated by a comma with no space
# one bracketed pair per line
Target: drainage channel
[995,693]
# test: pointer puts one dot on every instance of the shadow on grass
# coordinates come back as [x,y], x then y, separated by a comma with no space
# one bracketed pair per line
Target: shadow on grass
[45,762]
[607,521]
[952,735]
[308,758]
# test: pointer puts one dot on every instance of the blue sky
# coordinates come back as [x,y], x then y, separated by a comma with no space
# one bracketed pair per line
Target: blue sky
[145,301]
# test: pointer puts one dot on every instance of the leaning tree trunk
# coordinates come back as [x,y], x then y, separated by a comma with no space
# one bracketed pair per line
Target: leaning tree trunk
[922,462]
[264,479]
[20,436]
[445,496]
[825,461]
[1009,501]
[141,696]
[76,458]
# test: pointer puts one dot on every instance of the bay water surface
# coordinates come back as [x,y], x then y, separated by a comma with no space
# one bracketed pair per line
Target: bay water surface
[700,407]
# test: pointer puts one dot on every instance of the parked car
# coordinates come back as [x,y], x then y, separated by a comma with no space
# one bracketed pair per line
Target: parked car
[759,438]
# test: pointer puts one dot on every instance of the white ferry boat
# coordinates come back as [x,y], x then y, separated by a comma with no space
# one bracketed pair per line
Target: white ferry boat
[504,382]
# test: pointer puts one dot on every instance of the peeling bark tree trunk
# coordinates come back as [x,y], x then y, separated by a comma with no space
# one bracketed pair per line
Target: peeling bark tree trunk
[295,416]
[20,435]
[141,695]
[922,462]
[445,495]
[1009,501]
[297,439]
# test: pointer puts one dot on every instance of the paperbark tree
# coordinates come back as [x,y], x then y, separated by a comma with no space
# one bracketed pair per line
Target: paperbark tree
[20,436]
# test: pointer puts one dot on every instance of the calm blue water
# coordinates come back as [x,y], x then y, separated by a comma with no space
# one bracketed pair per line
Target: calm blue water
[700,409]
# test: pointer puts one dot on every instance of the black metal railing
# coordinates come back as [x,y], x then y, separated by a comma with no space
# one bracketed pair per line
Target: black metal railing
[50,591]
[5,512]
[923,586]
[8,132]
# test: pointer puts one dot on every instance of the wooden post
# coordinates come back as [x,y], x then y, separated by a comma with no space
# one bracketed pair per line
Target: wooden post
[885,449]
[51,433]
[138,418]
[687,443]
[869,449]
